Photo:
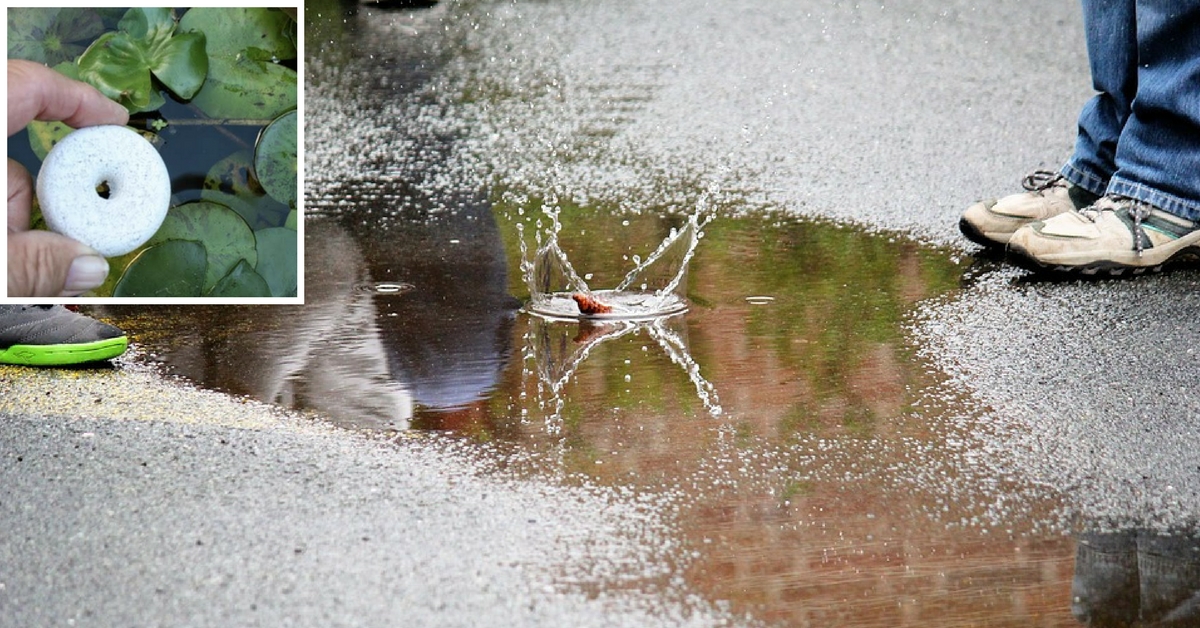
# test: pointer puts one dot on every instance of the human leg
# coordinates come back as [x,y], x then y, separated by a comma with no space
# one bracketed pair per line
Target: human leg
[1158,156]
[1151,212]
[1109,27]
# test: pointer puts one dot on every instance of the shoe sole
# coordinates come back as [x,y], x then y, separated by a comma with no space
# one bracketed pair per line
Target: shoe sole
[1114,263]
[64,354]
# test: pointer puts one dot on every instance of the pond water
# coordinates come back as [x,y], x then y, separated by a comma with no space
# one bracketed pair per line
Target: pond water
[821,470]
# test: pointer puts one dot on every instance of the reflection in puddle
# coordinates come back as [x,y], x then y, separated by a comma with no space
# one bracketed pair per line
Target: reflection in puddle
[815,482]
[1136,578]
[558,349]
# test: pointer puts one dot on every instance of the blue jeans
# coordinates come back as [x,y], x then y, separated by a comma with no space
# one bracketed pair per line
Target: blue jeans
[1140,135]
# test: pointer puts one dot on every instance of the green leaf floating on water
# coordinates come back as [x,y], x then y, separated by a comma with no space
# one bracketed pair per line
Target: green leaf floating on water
[242,281]
[275,158]
[243,45]
[231,31]
[120,64]
[245,88]
[51,36]
[231,182]
[178,60]
[226,237]
[175,268]
[277,260]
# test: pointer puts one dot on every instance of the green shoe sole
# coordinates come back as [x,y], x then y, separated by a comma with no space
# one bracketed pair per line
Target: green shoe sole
[64,354]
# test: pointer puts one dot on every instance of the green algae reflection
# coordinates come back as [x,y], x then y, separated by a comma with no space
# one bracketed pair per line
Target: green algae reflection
[804,320]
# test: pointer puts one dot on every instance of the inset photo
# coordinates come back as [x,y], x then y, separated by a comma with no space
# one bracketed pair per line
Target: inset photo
[153,155]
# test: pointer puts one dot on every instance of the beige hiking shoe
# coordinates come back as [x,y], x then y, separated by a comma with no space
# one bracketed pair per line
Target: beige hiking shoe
[1114,237]
[1047,194]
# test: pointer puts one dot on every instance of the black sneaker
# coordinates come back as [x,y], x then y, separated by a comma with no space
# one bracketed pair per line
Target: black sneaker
[52,335]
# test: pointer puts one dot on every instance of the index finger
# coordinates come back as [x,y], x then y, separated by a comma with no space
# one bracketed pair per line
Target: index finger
[35,92]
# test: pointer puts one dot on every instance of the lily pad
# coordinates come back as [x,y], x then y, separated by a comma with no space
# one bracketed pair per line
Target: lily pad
[120,64]
[175,268]
[231,31]
[277,260]
[231,182]
[51,36]
[242,281]
[246,88]
[226,237]
[244,46]
[116,270]
[275,158]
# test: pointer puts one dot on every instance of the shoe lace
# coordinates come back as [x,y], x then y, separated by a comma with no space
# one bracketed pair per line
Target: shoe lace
[1042,180]
[1138,211]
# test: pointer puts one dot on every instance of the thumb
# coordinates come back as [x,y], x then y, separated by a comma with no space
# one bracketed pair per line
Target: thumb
[45,264]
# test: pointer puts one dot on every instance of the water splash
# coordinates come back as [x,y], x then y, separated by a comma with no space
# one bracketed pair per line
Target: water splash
[556,356]
[676,348]
[550,266]
[654,287]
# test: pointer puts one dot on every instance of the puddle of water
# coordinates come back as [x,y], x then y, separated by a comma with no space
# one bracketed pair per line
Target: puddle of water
[783,412]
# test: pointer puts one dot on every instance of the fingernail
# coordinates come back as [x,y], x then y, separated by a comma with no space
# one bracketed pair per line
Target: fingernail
[86,273]
[119,110]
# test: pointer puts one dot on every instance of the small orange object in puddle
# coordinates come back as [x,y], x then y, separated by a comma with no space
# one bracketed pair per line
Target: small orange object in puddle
[589,305]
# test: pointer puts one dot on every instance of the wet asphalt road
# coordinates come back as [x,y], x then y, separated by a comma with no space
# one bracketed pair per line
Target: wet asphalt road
[130,500]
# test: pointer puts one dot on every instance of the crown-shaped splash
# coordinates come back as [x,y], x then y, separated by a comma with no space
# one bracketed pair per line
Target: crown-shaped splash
[654,287]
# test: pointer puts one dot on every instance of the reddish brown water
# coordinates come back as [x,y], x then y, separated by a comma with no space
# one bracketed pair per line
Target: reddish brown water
[822,474]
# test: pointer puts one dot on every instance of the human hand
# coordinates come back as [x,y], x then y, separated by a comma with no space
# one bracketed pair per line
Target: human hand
[41,263]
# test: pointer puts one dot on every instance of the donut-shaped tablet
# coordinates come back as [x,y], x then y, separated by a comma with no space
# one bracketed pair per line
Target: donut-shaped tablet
[113,222]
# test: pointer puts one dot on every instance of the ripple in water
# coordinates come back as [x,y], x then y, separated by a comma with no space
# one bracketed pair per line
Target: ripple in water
[384,287]
[626,305]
